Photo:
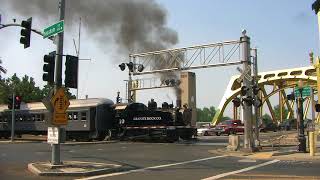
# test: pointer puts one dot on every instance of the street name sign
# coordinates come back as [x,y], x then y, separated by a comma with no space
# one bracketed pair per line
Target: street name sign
[60,104]
[306,91]
[53,29]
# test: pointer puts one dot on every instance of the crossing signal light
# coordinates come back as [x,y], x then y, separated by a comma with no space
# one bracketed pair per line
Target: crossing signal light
[48,67]
[122,66]
[26,32]
[130,66]
[71,72]
[236,102]
[257,102]
[140,68]
[248,100]
[244,90]
[255,89]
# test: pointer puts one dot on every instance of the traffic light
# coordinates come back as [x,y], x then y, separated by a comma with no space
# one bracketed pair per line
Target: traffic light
[48,67]
[291,96]
[26,32]
[244,90]
[9,101]
[255,89]
[122,66]
[317,107]
[236,102]
[71,72]
[17,102]
[130,66]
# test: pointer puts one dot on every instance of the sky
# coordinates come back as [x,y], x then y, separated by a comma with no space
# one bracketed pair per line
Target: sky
[284,31]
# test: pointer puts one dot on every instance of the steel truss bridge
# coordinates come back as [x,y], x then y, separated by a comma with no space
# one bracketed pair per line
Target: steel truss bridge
[278,81]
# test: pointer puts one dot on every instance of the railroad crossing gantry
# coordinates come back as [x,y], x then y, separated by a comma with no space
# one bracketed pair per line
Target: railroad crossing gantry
[180,59]
[278,80]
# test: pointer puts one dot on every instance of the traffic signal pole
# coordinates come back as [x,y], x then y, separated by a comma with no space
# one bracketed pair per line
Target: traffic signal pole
[256,96]
[13,113]
[247,108]
[55,158]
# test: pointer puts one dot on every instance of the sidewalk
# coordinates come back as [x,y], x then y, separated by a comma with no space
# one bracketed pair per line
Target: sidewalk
[284,153]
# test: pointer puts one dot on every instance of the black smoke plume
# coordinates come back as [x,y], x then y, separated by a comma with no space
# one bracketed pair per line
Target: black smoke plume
[134,25]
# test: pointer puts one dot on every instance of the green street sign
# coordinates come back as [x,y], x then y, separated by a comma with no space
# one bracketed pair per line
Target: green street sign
[53,29]
[306,91]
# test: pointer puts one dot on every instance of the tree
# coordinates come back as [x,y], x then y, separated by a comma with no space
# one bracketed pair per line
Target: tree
[206,114]
[47,88]
[2,69]
[26,88]
[277,112]
[266,119]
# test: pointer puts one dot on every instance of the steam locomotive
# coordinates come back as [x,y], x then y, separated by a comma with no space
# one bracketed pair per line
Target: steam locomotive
[136,120]
[97,119]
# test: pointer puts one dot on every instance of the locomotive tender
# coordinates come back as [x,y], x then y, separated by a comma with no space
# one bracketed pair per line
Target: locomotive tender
[98,118]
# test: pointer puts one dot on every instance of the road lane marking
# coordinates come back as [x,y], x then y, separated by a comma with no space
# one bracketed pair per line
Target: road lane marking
[241,170]
[152,167]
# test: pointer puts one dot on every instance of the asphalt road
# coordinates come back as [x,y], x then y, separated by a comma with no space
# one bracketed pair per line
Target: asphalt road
[183,160]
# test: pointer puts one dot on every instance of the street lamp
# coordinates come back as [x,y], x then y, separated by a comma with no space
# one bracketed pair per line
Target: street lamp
[301,137]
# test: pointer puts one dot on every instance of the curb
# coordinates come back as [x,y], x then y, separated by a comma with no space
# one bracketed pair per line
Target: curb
[36,171]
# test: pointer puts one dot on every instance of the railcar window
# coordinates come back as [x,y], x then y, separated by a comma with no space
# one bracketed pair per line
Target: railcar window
[69,116]
[83,116]
[42,117]
[75,116]
[38,117]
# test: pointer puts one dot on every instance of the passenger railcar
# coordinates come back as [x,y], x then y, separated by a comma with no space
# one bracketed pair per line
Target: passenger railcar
[88,119]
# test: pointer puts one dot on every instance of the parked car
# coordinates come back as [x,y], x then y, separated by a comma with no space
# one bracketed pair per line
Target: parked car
[229,127]
[205,130]
[268,127]
[288,124]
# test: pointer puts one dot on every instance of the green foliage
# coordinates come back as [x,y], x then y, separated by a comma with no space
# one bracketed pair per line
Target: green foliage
[277,112]
[266,118]
[206,114]
[26,88]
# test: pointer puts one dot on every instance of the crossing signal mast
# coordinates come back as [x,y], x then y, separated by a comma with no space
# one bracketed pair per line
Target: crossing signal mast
[26,32]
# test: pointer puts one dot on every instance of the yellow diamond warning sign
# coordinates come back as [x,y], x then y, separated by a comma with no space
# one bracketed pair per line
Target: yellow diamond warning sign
[60,104]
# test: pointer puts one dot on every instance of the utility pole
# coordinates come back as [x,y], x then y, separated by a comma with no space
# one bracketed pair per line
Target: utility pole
[55,158]
[247,106]
[256,97]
